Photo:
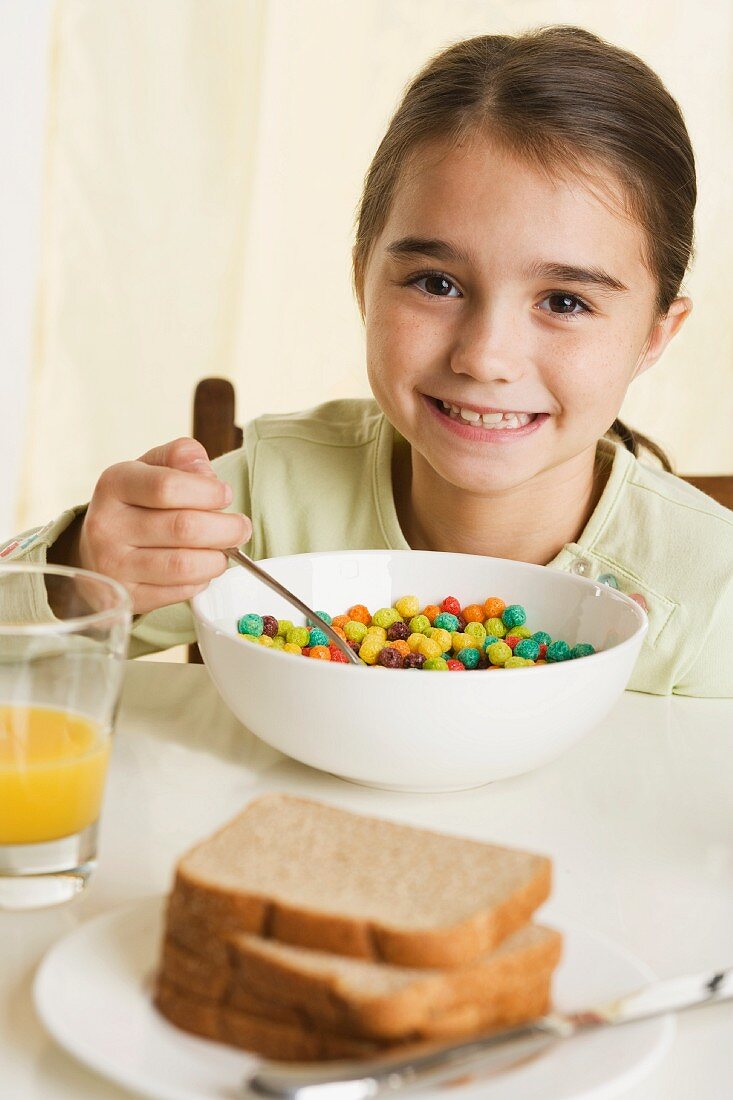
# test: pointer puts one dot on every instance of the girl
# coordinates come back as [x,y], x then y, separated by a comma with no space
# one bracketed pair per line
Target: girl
[523,233]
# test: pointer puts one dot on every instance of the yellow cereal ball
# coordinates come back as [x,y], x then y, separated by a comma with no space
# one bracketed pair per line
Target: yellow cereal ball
[476,631]
[254,638]
[355,631]
[514,662]
[290,647]
[521,632]
[407,606]
[376,632]
[430,648]
[462,641]
[495,627]
[370,649]
[278,642]
[442,637]
[266,641]
[385,617]
[414,642]
[499,653]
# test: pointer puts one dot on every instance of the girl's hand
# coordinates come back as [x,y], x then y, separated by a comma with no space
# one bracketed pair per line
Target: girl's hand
[156,525]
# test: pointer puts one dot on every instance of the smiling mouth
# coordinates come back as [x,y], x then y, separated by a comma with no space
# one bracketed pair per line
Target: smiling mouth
[491,420]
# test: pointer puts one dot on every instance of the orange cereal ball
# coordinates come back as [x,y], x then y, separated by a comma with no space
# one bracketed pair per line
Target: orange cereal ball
[320,652]
[360,614]
[493,607]
[407,606]
[401,647]
[338,630]
[340,621]
[474,613]
[431,612]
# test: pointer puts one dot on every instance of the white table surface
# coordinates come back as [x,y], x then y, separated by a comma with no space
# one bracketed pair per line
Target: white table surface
[638,819]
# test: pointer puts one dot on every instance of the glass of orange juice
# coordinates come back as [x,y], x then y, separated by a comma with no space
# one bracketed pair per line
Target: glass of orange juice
[63,642]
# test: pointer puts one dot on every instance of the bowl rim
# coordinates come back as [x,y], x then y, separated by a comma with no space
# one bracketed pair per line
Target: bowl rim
[612,593]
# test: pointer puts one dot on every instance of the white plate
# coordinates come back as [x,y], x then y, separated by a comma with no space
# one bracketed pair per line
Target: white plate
[92,992]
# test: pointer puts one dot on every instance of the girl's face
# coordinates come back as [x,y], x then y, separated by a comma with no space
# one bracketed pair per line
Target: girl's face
[495,290]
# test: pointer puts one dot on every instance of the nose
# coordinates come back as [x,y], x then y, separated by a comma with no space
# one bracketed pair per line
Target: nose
[488,346]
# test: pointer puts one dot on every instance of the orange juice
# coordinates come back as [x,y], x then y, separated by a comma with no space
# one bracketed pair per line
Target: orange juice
[52,769]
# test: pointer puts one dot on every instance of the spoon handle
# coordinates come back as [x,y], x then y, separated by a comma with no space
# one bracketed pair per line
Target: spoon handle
[241,558]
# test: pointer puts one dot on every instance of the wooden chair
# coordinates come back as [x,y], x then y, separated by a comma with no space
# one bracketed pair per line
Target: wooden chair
[215,427]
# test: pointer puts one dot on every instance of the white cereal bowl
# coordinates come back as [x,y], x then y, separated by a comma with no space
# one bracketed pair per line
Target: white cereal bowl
[413,730]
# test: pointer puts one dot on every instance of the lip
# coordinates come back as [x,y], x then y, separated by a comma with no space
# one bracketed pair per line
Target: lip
[502,436]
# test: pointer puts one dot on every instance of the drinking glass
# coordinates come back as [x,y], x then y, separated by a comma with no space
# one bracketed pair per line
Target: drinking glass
[63,642]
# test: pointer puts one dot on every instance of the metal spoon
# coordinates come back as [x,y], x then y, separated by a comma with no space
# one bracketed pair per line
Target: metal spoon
[241,559]
[363,1080]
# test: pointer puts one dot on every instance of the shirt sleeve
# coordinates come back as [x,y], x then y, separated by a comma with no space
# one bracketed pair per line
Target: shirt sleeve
[710,676]
[152,632]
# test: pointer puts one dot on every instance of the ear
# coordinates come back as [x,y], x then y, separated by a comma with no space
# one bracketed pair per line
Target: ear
[663,332]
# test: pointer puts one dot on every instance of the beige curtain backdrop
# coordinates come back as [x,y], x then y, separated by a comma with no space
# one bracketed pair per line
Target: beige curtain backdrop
[204,164]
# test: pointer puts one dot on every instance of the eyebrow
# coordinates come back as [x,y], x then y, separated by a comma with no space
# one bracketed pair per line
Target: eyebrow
[437,249]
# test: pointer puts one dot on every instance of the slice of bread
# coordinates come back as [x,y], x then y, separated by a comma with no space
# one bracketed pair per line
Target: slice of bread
[262,1029]
[304,873]
[366,999]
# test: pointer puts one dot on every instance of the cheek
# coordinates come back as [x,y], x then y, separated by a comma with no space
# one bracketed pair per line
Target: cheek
[398,343]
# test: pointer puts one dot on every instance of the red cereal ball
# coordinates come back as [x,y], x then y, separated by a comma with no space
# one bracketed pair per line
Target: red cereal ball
[306,651]
[360,614]
[451,605]
[398,632]
[337,655]
[455,666]
[413,660]
[543,651]
[474,613]
[389,658]
[319,652]
[512,641]
[431,612]
[269,626]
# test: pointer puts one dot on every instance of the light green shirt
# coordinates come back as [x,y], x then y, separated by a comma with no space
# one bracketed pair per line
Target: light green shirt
[322,480]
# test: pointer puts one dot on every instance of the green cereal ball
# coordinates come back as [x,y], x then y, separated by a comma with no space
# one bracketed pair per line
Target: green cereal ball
[298,635]
[514,615]
[446,621]
[514,662]
[251,624]
[250,637]
[499,653]
[495,627]
[542,637]
[558,651]
[386,617]
[436,664]
[318,637]
[278,642]
[476,630]
[355,631]
[420,624]
[323,616]
[469,658]
[283,626]
[582,649]
[521,632]
[527,648]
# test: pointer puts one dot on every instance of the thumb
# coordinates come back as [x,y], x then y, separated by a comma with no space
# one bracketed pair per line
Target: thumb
[181,454]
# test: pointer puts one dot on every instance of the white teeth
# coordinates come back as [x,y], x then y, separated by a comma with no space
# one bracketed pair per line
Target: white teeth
[470,415]
[492,420]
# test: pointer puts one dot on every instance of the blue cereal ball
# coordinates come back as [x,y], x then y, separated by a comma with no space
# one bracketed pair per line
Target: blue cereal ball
[251,624]
[446,621]
[469,657]
[528,648]
[324,618]
[514,615]
[582,649]
[318,637]
[558,651]
[542,637]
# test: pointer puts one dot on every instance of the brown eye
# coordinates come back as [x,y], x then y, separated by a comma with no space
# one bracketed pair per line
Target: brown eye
[436,285]
[565,304]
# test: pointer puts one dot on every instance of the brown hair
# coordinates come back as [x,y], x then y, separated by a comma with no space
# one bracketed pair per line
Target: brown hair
[568,102]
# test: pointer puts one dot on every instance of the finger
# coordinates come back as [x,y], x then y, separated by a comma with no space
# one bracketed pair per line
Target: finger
[149,597]
[186,528]
[162,487]
[174,567]
[181,454]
